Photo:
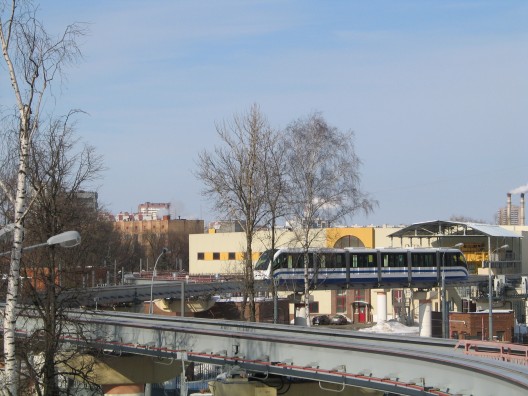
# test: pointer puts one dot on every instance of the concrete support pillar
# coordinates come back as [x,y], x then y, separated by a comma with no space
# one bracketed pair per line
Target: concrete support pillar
[124,390]
[426,318]
[382,306]
[300,316]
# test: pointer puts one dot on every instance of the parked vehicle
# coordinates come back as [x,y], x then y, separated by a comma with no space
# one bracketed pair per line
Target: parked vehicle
[320,320]
[339,320]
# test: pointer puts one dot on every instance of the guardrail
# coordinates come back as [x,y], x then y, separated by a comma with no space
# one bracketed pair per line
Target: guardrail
[513,353]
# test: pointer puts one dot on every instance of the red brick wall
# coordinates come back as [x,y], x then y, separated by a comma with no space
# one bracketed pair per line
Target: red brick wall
[474,325]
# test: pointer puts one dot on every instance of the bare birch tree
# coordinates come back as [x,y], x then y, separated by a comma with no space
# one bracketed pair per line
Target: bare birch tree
[61,168]
[233,176]
[275,197]
[33,59]
[324,182]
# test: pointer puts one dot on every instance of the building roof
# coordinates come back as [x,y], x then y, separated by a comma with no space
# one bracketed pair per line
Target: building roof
[437,228]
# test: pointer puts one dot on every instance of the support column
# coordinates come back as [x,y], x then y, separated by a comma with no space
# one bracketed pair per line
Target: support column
[124,390]
[382,306]
[300,316]
[425,311]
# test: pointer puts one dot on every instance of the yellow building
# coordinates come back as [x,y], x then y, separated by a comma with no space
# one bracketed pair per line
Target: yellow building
[221,253]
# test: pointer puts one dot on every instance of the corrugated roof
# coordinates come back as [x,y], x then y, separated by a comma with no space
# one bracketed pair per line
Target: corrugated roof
[493,230]
[434,228]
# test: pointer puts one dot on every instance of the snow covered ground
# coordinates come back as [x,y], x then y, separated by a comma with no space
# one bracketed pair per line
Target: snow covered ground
[392,327]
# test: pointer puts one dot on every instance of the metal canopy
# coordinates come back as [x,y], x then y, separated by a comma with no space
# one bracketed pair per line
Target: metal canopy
[439,228]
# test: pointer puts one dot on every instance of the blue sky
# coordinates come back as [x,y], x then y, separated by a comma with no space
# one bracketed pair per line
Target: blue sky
[435,91]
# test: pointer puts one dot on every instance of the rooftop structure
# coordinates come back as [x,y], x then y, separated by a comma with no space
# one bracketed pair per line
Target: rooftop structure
[156,210]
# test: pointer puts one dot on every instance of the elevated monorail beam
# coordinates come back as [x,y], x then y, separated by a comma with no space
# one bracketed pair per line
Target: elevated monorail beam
[472,280]
[402,365]
[109,295]
[135,294]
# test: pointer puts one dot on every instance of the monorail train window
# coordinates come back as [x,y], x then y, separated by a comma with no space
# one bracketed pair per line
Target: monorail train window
[340,260]
[363,260]
[286,260]
[454,259]
[301,257]
[283,261]
[290,260]
[263,261]
[393,260]
[462,260]
[331,260]
[323,260]
[423,259]
[293,260]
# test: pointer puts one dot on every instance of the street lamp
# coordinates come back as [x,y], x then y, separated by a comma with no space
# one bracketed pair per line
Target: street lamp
[490,293]
[163,252]
[445,321]
[65,239]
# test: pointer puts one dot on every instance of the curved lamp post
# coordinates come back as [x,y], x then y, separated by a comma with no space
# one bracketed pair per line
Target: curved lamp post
[490,292]
[445,316]
[65,239]
[163,252]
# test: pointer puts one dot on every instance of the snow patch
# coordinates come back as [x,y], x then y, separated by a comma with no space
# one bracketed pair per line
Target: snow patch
[392,327]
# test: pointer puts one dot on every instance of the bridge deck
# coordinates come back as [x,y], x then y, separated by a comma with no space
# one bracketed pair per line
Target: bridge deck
[403,365]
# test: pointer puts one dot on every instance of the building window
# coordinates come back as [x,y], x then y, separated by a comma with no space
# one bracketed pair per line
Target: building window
[216,256]
[314,307]
[359,295]
[341,301]
[231,255]
[200,256]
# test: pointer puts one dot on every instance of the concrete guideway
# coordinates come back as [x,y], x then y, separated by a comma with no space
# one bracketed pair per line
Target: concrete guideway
[403,365]
[137,293]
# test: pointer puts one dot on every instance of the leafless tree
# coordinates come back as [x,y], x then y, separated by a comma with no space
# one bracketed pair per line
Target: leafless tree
[154,242]
[178,246]
[128,252]
[233,177]
[275,182]
[33,59]
[324,181]
[275,197]
[60,168]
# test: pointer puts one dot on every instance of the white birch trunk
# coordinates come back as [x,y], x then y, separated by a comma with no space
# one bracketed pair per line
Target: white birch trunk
[13,285]
[307,290]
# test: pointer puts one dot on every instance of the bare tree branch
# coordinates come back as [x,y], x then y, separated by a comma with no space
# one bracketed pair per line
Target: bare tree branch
[233,178]
[324,181]
[32,59]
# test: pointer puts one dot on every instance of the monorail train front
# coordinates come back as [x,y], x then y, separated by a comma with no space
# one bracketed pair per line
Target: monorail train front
[262,270]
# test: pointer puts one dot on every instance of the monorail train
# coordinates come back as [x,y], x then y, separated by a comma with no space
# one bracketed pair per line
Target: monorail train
[362,266]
